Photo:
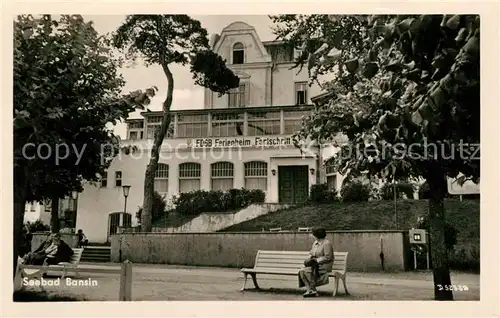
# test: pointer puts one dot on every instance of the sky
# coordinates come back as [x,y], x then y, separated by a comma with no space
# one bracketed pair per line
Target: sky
[186,94]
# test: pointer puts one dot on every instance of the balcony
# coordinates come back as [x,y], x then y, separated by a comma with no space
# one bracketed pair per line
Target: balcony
[233,122]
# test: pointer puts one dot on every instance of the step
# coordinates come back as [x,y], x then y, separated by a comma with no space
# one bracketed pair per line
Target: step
[96,252]
[96,259]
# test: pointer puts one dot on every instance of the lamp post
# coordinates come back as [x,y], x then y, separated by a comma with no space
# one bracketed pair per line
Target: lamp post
[126,190]
[74,196]
[395,204]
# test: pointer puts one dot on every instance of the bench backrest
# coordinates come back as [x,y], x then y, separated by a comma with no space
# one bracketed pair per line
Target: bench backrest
[77,255]
[291,260]
[304,229]
[275,229]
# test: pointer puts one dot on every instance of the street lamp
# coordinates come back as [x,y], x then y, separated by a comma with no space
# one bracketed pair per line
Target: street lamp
[74,207]
[126,190]
[395,203]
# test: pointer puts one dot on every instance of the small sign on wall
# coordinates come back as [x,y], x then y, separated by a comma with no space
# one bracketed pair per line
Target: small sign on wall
[418,236]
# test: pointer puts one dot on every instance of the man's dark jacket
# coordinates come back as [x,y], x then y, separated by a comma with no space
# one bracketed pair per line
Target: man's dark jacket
[63,254]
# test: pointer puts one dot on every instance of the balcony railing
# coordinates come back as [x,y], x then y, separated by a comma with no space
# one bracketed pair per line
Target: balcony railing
[252,121]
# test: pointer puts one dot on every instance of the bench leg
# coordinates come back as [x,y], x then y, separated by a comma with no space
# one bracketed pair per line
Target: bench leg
[336,287]
[254,278]
[244,282]
[18,279]
[345,286]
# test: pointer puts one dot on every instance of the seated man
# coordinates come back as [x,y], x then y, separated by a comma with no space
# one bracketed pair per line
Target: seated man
[82,239]
[51,252]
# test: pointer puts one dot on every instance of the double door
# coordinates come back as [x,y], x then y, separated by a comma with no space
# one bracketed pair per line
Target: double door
[293,184]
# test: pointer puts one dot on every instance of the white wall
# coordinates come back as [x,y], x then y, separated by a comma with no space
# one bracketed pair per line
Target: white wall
[267,86]
[95,204]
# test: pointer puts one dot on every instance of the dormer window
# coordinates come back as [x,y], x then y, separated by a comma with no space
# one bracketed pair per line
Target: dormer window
[238,53]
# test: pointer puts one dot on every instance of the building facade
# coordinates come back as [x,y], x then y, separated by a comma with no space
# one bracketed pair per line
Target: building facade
[239,140]
[36,211]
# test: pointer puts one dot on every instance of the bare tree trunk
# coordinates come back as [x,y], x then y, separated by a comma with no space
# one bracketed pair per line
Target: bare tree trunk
[54,215]
[436,179]
[149,177]
[20,184]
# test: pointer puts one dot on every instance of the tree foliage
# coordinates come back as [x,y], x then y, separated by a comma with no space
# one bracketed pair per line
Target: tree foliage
[163,40]
[399,80]
[406,188]
[159,208]
[405,94]
[67,88]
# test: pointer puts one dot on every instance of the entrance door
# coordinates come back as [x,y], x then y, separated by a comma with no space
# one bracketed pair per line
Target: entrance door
[114,222]
[293,184]
[127,220]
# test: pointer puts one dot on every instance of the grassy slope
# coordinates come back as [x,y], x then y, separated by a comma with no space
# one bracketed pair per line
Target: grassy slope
[173,220]
[373,215]
[176,220]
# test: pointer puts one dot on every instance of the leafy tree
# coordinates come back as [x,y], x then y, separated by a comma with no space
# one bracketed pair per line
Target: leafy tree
[159,208]
[164,40]
[406,188]
[405,94]
[66,89]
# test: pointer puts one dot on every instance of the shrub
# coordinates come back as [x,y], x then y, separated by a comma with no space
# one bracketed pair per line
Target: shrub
[387,190]
[321,194]
[465,259]
[450,232]
[196,202]
[424,192]
[355,191]
[159,208]
[37,226]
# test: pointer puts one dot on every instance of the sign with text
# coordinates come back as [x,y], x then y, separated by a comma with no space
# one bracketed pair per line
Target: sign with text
[236,142]
[418,236]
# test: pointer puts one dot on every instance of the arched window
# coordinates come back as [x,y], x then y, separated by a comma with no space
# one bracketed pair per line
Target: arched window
[161,179]
[222,176]
[189,177]
[238,53]
[256,175]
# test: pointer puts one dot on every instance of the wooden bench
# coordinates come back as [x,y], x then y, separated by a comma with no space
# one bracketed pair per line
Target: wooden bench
[289,263]
[304,229]
[37,271]
[275,229]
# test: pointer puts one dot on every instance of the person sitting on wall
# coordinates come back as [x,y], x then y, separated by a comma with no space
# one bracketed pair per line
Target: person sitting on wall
[319,264]
[82,239]
[52,251]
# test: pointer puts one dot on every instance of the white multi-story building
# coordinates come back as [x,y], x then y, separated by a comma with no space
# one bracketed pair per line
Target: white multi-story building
[241,139]
[36,211]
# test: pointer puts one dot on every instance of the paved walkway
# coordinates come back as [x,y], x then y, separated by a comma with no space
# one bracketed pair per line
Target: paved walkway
[168,282]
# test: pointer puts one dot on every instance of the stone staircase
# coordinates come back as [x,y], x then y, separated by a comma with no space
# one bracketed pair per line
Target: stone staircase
[96,254]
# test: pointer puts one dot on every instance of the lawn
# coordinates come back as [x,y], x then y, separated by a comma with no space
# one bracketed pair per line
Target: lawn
[372,215]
